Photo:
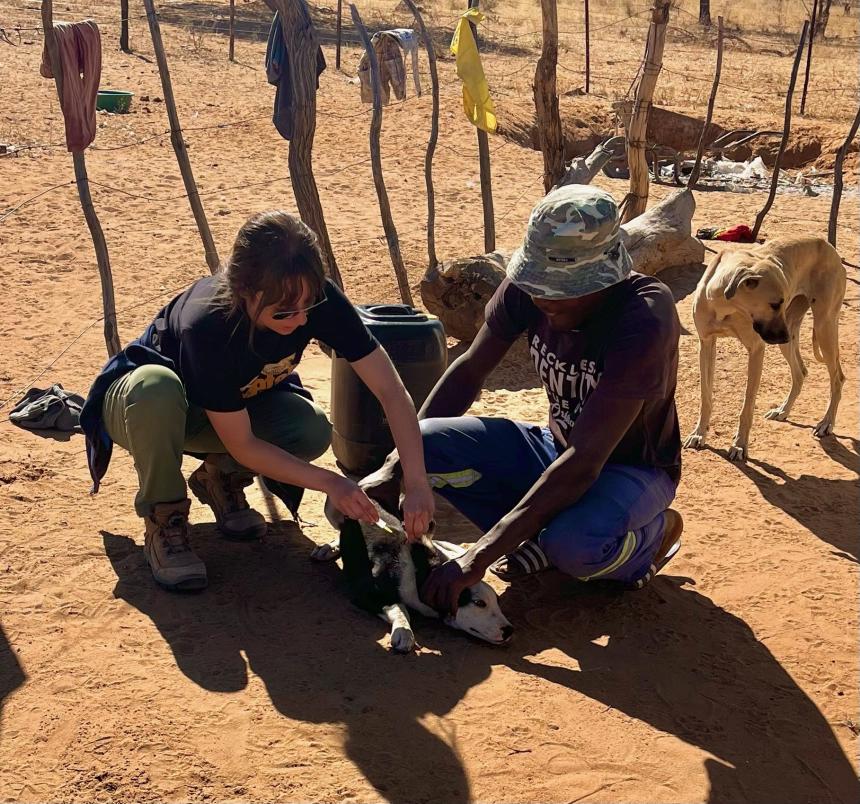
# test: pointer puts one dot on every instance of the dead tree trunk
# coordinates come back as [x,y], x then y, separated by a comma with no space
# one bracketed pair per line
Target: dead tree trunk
[432,259]
[636,134]
[546,99]
[837,180]
[376,163]
[582,170]
[786,130]
[705,13]
[823,18]
[302,43]
[178,141]
[700,151]
[102,259]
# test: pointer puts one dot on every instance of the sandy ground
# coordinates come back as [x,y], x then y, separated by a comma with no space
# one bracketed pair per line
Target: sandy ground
[732,678]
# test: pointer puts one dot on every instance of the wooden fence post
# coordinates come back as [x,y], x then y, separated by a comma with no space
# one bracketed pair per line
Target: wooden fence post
[486,177]
[232,48]
[102,259]
[697,165]
[587,49]
[302,43]
[837,180]
[638,129]
[178,142]
[376,163]
[808,56]
[786,130]
[338,34]
[546,99]
[123,26]
[432,260]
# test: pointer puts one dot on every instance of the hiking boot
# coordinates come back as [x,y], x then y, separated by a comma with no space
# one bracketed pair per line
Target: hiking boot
[173,563]
[673,526]
[224,493]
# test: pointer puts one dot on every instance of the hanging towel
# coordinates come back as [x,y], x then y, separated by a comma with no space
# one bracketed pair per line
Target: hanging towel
[477,102]
[278,73]
[80,49]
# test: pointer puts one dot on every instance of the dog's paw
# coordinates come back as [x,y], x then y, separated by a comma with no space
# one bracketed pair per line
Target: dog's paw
[737,453]
[326,552]
[823,428]
[402,640]
[694,441]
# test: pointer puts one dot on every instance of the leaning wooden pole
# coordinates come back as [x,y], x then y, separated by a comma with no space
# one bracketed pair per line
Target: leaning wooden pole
[102,259]
[587,49]
[638,128]
[123,26]
[546,99]
[486,176]
[697,165]
[837,180]
[177,140]
[808,57]
[302,43]
[786,130]
[376,163]
[432,260]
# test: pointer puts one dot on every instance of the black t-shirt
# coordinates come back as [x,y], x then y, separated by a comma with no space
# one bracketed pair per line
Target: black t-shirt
[630,352]
[221,370]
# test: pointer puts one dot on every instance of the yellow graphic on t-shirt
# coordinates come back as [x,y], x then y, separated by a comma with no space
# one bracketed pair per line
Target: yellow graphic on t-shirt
[270,375]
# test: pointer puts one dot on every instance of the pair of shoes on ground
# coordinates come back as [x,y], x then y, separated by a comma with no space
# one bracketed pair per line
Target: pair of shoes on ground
[530,559]
[167,548]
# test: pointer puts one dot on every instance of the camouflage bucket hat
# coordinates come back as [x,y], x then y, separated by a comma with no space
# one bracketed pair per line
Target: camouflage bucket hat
[572,245]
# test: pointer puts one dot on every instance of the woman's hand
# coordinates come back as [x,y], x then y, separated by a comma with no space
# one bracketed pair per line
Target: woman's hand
[418,508]
[443,586]
[350,500]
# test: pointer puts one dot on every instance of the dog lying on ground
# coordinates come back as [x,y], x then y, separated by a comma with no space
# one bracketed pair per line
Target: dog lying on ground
[760,295]
[384,573]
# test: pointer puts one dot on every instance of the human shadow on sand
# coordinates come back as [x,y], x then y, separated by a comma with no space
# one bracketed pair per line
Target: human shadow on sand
[827,507]
[11,673]
[672,658]
[292,620]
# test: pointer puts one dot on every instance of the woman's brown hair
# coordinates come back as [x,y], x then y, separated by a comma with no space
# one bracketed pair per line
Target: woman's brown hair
[277,255]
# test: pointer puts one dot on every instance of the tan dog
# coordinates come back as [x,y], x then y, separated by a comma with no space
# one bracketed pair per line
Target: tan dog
[759,295]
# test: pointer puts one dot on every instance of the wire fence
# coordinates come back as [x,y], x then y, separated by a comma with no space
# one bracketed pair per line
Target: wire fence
[514,38]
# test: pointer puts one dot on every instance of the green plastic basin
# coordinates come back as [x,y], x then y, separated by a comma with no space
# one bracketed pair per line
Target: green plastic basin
[114,100]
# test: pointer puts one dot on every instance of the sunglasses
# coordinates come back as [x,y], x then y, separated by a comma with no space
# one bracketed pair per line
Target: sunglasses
[285,315]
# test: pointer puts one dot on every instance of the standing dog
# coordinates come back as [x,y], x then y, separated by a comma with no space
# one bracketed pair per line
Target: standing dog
[760,295]
[384,573]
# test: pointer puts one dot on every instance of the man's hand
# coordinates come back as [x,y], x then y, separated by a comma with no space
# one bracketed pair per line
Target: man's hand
[443,586]
[350,500]
[418,509]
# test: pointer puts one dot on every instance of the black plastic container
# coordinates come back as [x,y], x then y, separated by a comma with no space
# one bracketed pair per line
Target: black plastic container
[415,341]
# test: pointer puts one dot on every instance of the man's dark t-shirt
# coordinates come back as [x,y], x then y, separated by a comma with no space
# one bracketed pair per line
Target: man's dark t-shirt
[221,370]
[630,352]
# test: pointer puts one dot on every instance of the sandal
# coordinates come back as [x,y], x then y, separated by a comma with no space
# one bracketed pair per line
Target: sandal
[527,559]
[669,548]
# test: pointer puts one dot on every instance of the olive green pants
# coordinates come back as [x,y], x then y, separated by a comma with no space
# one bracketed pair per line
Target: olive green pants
[147,413]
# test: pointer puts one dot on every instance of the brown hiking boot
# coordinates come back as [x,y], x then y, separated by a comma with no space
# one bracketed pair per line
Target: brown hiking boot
[173,563]
[224,493]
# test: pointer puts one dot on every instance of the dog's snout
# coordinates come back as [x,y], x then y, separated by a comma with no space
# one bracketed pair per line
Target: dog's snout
[771,335]
[507,632]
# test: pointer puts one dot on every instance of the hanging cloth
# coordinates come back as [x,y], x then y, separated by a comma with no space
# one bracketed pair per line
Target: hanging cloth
[477,102]
[79,45]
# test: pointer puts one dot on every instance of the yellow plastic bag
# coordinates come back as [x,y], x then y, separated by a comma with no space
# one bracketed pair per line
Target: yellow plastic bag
[477,102]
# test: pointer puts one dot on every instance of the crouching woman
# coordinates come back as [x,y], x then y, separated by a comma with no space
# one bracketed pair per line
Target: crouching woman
[213,376]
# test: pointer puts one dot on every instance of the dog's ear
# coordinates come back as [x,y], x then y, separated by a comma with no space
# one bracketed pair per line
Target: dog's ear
[335,518]
[465,597]
[743,276]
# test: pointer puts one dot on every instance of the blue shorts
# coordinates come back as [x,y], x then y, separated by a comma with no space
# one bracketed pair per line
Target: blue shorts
[485,466]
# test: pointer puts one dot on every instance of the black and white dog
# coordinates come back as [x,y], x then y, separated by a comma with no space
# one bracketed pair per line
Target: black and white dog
[384,573]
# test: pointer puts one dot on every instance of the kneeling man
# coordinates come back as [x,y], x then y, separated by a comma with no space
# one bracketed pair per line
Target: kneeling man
[590,493]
